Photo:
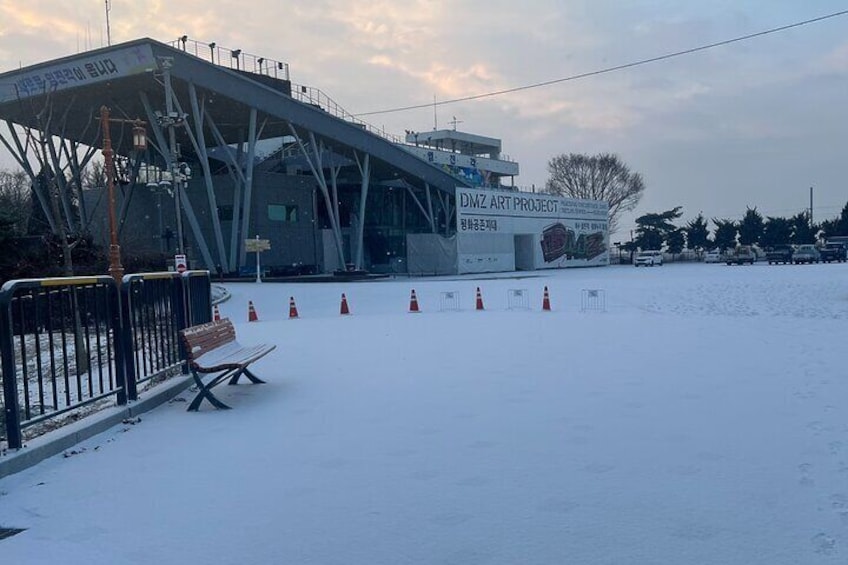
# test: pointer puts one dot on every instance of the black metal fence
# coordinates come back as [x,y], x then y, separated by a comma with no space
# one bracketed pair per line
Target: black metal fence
[66,343]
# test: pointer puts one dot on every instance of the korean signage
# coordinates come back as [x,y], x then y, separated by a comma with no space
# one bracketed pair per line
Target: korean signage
[257,245]
[78,71]
[538,230]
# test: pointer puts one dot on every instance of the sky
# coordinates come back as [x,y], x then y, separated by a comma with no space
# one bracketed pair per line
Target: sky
[752,124]
[673,426]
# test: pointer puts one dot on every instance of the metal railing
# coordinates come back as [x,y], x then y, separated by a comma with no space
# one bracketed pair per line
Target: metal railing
[67,343]
[316,97]
[153,310]
[239,60]
[60,348]
[232,58]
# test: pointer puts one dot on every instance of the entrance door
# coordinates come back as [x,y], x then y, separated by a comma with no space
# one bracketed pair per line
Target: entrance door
[524,252]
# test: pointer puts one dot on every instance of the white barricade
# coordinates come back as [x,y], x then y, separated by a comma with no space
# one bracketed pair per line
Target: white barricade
[449,301]
[518,299]
[593,300]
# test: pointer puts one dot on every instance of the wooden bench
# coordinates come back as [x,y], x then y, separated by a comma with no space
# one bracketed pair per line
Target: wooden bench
[212,348]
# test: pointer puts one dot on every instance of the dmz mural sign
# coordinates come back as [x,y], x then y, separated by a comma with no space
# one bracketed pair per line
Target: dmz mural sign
[542,231]
[78,71]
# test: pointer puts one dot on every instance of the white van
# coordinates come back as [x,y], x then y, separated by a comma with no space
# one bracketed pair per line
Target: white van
[648,259]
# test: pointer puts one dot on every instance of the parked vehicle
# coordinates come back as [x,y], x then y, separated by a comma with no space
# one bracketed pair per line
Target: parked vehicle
[779,254]
[833,251]
[713,256]
[648,259]
[741,255]
[806,254]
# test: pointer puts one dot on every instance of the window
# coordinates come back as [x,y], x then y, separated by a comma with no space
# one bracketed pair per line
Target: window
[282,213]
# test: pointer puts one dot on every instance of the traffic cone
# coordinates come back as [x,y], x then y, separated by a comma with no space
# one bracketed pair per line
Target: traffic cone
[216,314]
[546,301]
[413,303]
[344,311]
[479,299]
[251,312]
[292,308]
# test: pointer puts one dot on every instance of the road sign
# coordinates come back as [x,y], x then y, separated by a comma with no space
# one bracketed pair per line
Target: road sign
[180,263]
[257,245]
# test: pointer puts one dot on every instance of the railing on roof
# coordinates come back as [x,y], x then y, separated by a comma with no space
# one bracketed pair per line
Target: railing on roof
[232,58]
[316,97]
[239,60]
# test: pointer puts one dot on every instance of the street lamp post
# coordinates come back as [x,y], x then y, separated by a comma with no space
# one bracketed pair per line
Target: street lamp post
[116,270]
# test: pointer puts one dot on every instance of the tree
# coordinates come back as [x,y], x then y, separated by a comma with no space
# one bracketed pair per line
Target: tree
[653,229]
[776,231]
[802,231]
[836,226]
[675,241]
[598,177]
[725,234]
[751,227]
[697,233]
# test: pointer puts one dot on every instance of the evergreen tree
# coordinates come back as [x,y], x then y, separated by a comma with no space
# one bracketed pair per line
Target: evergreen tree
[653,229]
[725,234]
[835,227]
[802,231]
[675,241]
[697,233]
[751,227]
[776,231]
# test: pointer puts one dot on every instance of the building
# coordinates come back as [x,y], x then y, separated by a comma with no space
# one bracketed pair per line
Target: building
[237,152]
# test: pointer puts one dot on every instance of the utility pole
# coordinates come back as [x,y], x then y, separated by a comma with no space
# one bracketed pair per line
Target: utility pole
[811,207]
[172,120]
[108,27]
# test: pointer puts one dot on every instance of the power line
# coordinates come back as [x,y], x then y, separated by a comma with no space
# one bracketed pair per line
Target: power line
[609,69]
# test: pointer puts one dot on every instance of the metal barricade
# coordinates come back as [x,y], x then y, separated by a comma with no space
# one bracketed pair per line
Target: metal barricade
[60,348]
[66,343]
[198,297]
[153,312]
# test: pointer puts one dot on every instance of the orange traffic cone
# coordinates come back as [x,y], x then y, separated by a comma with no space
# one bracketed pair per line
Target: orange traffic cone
[292,308]
[546,301]
[216,314]
[413,302]
[344,309]
[251,312]
[479,299]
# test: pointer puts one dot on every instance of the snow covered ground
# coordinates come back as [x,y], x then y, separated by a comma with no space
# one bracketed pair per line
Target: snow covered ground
[701,419]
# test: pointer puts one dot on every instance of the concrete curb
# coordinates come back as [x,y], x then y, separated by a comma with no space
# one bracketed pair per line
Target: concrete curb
[64,438]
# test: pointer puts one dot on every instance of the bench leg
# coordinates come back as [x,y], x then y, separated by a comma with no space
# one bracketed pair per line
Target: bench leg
[244,371]
[204,392]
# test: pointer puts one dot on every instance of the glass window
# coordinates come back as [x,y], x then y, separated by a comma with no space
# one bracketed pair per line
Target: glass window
[282,213]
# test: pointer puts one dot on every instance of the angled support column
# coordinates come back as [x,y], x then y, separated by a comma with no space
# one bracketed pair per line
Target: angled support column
[248,180]
[427,215]
[20,155]
[430,207]
[318,172]
[365,172]
[199,142]
[238,181]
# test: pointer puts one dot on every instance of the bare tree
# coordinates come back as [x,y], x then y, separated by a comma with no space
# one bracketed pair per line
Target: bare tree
[15,199]
[596,177]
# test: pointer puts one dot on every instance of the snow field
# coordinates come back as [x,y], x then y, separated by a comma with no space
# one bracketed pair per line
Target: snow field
[701,419]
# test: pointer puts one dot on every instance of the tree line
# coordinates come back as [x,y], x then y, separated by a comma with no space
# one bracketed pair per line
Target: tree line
[658,230]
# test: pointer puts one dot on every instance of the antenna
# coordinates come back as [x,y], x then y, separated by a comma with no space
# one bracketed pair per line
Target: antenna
[108,28]
[435,119]
[454,122]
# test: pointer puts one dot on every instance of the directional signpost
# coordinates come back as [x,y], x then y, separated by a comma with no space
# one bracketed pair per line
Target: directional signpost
[257,246]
